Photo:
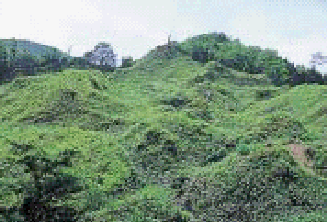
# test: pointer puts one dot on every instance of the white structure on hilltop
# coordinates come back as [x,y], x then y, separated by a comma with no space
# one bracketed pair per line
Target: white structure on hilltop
[102,55]
[320,60]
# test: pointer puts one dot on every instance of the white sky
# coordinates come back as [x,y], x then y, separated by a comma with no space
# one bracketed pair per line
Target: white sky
[296,28]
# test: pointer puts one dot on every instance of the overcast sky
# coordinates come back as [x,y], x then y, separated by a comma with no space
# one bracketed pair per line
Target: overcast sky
[296,28]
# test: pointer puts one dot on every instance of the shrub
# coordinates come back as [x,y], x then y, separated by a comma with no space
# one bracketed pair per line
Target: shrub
[200,54]
[127,61]
[243,149]
[47,185]
[263,94]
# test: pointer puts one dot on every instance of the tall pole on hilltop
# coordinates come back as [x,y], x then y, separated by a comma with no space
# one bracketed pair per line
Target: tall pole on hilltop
[169,46]
[69,58]
[69,49]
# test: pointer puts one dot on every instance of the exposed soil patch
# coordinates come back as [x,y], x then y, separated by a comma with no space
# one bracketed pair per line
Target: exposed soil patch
[298,152]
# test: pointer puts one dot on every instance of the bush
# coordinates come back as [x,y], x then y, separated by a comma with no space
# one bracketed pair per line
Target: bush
[263,94]
[47,185]
[243,149]
[276,76]
[127,61]
[200,54]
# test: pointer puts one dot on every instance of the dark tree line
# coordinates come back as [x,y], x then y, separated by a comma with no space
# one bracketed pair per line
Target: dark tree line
[300,75]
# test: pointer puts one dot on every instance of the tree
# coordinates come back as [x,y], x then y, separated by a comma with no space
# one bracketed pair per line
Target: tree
[127,61]
[55,60]
[3,62]
[275,75]
[3,59]
[200,54]
[80,63]
[102,56]
[13,52]
[12,63]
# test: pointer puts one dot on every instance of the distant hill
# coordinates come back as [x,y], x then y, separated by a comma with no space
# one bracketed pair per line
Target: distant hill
[35,49]
[31,58]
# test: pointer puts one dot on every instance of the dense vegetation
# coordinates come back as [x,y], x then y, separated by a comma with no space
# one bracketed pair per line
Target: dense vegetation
[27,55]
[203,130]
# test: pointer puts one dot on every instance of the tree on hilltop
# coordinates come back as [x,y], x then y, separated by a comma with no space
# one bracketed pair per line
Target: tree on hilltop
[127,61]
[3,62]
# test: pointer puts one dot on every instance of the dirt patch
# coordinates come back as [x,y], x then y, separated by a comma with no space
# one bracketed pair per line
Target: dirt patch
[298,152]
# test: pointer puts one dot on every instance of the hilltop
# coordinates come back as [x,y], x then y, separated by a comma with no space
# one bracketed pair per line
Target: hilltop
[221,133]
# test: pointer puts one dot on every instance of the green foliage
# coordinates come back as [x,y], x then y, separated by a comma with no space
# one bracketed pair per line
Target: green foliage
[245,184]
[244,149]
[127,62]
[235,55]
[26,58]
[168,139]
[201,55]
[302,75]
[264,94]
[175,102]
[151,203]
[279,124]
[308,217]
[46,185]
[3,62]
[79,63]
[211,41]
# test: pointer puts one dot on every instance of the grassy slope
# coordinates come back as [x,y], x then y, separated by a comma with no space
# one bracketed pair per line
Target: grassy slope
[109,119]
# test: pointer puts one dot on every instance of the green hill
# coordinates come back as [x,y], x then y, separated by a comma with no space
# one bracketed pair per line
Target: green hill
[170,139]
